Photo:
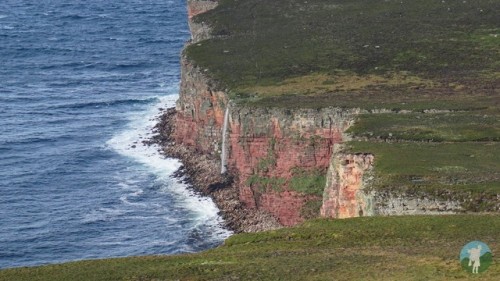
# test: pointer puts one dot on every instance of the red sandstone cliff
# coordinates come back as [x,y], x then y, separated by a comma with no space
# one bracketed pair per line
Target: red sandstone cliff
[347,177]
[200,112]
[279,156]
[271,151]
[287,162]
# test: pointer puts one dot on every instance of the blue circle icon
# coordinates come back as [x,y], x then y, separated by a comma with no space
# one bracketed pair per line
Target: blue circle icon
[475,257]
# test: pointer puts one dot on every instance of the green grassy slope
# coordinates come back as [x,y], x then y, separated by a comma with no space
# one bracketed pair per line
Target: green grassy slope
[452,155]
[353,52]
[377,248]
[465,171]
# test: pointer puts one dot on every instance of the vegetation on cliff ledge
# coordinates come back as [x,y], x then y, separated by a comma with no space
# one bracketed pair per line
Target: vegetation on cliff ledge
[376,248]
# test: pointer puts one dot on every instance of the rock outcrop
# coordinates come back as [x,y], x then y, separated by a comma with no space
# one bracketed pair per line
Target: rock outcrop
[199,30]
[387,204]
[345,195]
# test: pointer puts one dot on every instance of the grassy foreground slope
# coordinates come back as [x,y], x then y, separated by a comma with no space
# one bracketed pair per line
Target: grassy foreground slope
[376,248]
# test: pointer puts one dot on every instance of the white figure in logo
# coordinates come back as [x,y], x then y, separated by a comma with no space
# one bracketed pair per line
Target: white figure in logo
[474,255]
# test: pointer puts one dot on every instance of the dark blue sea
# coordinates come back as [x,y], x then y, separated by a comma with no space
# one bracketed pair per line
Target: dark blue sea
[81,84]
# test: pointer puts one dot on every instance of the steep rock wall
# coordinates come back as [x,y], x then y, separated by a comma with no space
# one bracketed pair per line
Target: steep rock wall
[345,195]
[199,30]
[281,156]
[288,162]
[200,111]
[278,156]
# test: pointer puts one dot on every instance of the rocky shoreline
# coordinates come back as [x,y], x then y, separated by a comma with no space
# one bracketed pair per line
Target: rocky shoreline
[201,172]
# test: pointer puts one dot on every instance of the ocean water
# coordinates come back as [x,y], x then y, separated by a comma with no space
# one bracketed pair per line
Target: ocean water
[81,83]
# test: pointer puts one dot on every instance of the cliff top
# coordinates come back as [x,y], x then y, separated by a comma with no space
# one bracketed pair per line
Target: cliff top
[355,53]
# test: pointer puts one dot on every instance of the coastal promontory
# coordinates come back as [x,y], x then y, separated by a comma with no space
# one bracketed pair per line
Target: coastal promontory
[341,109]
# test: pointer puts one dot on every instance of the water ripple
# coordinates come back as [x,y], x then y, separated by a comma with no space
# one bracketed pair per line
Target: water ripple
[80,85]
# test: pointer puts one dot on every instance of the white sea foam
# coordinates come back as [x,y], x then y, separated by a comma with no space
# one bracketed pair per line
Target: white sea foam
[124,199]
[129,143]
[102,214]
[203,207]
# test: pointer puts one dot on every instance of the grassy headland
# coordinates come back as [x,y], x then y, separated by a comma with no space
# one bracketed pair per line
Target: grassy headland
[433,66]
[375,248]
[353,53]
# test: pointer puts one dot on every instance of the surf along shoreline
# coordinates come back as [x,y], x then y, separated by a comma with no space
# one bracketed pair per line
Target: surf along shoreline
[201,173]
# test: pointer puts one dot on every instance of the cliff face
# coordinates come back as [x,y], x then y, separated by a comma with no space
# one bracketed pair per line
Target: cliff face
[287,162]
[199,31]
[279,156]
[200,112]
[345,195]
